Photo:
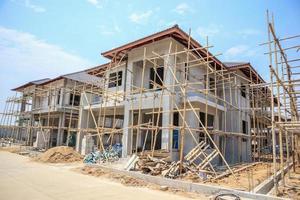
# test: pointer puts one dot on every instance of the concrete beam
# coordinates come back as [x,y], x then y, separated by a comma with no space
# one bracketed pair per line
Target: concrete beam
[268,184]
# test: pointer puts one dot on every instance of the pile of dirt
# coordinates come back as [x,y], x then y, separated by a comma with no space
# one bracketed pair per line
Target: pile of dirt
[60,154]
[13,149]
[123,179]
[134,182]
[92,171]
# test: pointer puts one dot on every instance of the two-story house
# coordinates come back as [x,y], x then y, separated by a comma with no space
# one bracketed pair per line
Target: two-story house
[166,93]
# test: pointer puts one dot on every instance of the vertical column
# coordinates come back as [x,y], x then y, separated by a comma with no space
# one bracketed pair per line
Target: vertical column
[126,150]
[249,150]
[81,125]
[167,104]
[189,142]
[61,97]
[126,142]
[60,133]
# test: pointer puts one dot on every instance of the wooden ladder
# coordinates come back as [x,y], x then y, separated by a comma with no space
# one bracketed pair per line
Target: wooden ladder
[199,152]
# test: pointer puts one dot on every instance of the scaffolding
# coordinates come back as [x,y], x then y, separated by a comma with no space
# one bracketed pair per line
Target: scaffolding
[213,87]
[284,85]
[218,82]
[42,109]
[113,109]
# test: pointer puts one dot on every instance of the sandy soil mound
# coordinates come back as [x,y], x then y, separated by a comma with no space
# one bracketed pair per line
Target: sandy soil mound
[11,149]
[60,154]
[123,179]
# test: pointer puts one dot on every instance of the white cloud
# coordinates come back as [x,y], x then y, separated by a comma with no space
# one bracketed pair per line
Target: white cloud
[95,3]
[26,56]
[35,8]
[140,18]
[239,51]
[117,28]
[109,30]
[182,8]
[236,50]
[157,8]
[209,31]
[249,32]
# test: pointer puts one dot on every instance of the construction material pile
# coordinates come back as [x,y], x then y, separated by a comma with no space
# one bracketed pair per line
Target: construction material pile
[92,158]
[60,154]
[110,154]
[160,167]
[150,165]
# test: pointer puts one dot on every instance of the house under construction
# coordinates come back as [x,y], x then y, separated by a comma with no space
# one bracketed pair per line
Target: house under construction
[164,95]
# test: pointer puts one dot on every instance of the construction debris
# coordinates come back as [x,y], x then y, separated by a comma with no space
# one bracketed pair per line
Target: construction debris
[150,165]
[109,155]
[131,162]
[92,158]
[161,167]
[61,154]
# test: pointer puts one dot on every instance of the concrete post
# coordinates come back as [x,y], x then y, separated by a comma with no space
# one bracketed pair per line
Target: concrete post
[81,124]
[60,132]
[127,144]
[189,142]
[167,104]
[61,98]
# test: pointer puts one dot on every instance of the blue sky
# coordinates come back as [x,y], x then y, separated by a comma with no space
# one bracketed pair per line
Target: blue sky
[40,39]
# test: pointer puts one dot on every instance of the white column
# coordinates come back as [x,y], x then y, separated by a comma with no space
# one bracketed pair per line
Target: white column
[81,124]
[60,132]
[126,132]
[167,104]
[126,142]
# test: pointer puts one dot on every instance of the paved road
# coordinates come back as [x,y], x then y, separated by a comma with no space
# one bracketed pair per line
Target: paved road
[21,179]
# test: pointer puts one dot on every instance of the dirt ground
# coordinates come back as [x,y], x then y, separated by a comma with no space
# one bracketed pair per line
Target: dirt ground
[292,188]
[247,179]
[22,179]
[11,149]
[133,182]
[244,180]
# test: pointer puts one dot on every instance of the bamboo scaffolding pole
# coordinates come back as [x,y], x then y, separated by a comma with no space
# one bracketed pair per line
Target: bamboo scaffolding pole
[273,115]
[206,131]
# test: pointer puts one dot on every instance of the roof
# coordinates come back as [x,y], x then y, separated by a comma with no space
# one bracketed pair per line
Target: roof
[96,70]
[84,78]
[36,82]
[81,76]
[235,64]
[247,69]
[174,32]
